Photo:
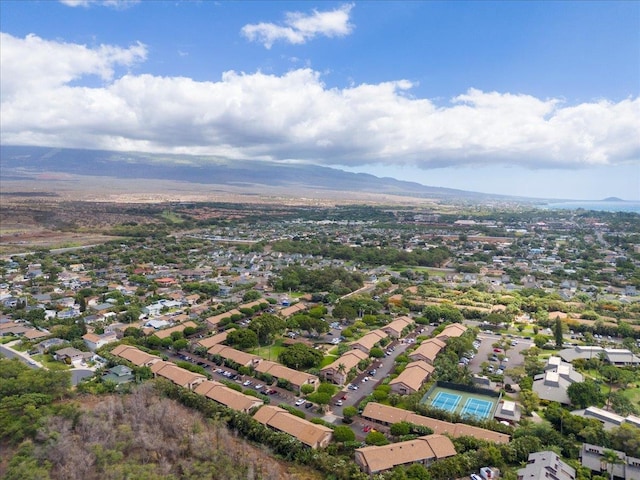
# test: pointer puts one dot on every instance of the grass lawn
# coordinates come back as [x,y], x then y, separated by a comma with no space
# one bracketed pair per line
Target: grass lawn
[49,363]
[21,347]
[632,394]
[7,339]
[171,217]
[269,352]
[328,359]
[593,373]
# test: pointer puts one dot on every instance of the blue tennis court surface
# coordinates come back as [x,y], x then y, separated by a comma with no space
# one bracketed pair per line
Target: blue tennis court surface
[477,408]
[446,401]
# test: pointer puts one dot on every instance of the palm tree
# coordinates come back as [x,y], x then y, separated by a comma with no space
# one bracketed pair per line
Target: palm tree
[610,458]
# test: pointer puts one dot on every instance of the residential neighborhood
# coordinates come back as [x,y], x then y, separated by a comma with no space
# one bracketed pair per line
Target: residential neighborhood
[405,348]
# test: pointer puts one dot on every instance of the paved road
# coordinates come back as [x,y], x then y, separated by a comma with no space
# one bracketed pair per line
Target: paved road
[77,374]
[9,352]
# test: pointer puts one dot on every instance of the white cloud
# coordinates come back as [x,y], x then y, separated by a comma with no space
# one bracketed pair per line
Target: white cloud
[295,116]
[298,27]
[117,4]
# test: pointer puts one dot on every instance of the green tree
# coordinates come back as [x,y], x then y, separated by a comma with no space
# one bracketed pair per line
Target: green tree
[376,352]
[251,295]
[343,434]
[585,394]
[557,332]
[610,458]
[540,340]
[530,401]
[417,472]
[622,405]
[243,339]
[376,438]
[267,326]
[401,428]
[300,356]
[348,413]
[307,388]
[626,438]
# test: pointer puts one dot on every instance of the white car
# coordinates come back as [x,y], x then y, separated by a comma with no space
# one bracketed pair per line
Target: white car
[300,402]
[259,386]
[247,383]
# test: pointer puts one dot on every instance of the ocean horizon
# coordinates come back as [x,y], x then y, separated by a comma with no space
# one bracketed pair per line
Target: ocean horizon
[597,205]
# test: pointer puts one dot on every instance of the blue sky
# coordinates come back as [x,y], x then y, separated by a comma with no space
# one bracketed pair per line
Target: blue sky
[537,99]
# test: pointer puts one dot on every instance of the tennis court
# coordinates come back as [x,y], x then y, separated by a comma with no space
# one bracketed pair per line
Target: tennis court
[446,401]
[474,407]
[464,403]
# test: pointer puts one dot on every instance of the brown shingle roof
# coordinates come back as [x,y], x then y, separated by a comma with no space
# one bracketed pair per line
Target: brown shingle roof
[370,339]
[389,415]
[178,328]
[453,330]
[179,376]
[398,325]
[414,375]
[293,309]
[227,396]
[232,354]
[215,339]
[135,356]
[428,350]
[216,319]
[349,359]
[305,431]
[280,371]
[422,449]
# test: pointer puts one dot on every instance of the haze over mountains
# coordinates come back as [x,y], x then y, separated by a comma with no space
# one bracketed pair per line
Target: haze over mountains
[25,162]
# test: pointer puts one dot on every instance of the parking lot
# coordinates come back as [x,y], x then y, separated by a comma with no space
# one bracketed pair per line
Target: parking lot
[485,350]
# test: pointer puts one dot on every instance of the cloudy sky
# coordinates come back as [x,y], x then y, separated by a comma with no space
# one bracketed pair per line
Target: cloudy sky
[539,99]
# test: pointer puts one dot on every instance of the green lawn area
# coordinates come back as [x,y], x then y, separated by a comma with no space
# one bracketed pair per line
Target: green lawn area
[7,339]
[171,217]
[21,347]
[328,359]
[49,363]
[633,394]
[269,352]
[592,373]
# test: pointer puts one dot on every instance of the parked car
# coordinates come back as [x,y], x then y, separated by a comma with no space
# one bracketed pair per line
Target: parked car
[497,350]
[246,383]
[339,403]
[259,386]
[300,401]
[308,405]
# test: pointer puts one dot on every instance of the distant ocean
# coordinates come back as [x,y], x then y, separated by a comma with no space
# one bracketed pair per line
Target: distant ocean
[601,206]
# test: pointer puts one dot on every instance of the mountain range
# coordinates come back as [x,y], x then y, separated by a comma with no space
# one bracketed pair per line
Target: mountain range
[24,162]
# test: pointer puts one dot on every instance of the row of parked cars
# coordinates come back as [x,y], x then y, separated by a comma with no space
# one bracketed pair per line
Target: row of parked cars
[234,376]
